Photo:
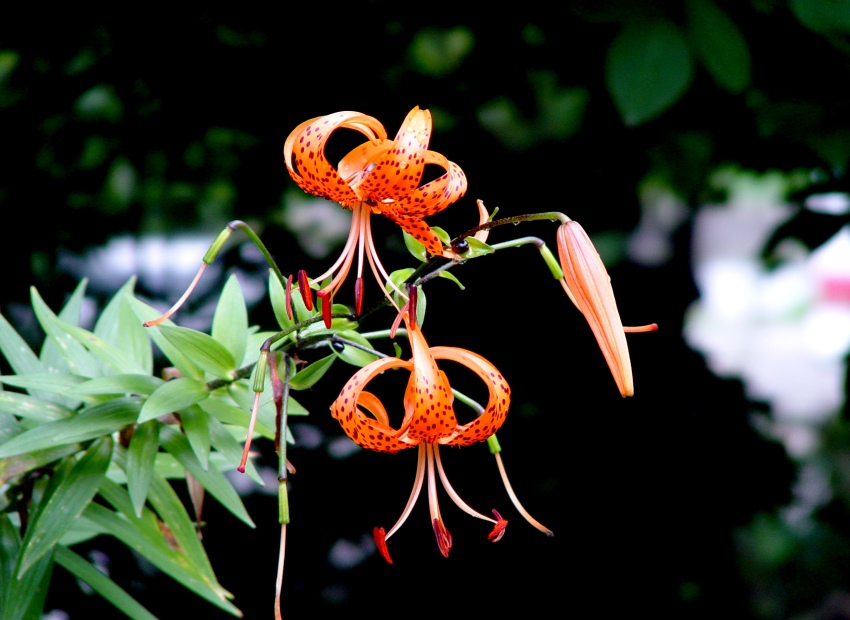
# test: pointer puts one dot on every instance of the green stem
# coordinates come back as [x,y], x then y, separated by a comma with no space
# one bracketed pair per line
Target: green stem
[260,246]
[548,257]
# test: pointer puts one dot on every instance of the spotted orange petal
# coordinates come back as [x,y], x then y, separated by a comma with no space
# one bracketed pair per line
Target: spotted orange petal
[304,154]
[497,406]
[398,171]
[436,195]
[373,433]
[429,414]
[419,230]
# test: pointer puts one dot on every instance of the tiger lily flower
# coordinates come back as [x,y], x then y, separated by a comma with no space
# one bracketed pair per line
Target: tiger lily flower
[379,176]
[588,285]
[429,423]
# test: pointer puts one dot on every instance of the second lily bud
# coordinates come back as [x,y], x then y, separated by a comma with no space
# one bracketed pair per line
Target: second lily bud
[589,287]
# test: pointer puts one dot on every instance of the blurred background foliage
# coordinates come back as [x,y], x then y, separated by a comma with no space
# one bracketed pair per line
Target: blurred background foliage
[143,124]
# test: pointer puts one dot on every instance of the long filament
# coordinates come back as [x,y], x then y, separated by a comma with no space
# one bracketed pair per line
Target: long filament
[414,494]
[453,494]
[515,500]
[353,235]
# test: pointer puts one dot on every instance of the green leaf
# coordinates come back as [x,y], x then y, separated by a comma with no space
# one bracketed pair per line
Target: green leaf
[648,68]
[119,326]
[212,480]
[172,396]
[145,313]
[71,354]
[204,351]
[141,458]
[308,376]
[47,382]
[21,599]
[143,385]
[100,583]
[823,15]
[353,355]
[64,502]
[20,357]
[81,531]
[230,449]
[32,408]
[145,537]
[20,464]
[415,247]
[228,413]
[719,45]
[277,295]
[90,423]
[477,248]
[230,321]
[197,430]
[450,276]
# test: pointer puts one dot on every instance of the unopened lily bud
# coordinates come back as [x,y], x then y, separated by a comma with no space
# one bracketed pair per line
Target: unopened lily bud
[587,283]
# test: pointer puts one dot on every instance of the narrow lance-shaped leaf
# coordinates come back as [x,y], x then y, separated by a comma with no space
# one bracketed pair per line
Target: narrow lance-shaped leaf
[160,555]
[308,376]
[90,423]
[100,583]
[230,321]
[21,599]
[204,351]
[61,351]
[173,396]
[212,479]
[141,457]
[194,422]
[65,502]
[145,313]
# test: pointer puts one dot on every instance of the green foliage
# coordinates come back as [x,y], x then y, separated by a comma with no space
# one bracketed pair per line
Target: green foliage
[648,68]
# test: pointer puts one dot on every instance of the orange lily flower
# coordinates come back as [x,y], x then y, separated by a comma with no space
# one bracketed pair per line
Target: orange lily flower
[429,422]
[379,176]
[588,285]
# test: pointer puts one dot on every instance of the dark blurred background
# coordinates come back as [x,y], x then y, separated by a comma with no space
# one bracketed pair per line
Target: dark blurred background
[129,138]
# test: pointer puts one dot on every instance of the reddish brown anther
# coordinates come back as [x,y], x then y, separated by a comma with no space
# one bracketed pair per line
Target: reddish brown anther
[304,288]
[499,529]
[444,539]
[413,293]
[380,536]
[288,294]
[327,306]
[358,295]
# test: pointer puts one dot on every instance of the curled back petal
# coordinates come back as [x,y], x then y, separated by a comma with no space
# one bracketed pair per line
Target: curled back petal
[304,154]
[367,432]
[497,405]
[435,195]
[398,171]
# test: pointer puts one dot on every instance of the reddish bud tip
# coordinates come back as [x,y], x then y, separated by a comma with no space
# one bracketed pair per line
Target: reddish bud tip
[499,529]
[444,539]
[289,297]
[304,288]
[241,469]
[358,296]
[380,536]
